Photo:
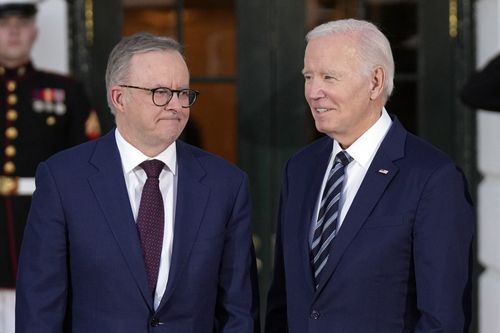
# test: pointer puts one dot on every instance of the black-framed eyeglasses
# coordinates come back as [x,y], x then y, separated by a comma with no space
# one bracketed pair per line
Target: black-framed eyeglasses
[162,95]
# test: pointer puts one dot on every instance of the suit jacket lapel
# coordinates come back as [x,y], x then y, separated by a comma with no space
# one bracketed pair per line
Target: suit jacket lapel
[316,169]
[110,190]
[192,198]
[369,193]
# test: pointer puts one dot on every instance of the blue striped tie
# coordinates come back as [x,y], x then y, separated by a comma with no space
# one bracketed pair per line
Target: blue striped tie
[326,226]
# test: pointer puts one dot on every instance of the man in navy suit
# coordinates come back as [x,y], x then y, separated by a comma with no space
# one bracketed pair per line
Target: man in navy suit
[85,260]
[394,256]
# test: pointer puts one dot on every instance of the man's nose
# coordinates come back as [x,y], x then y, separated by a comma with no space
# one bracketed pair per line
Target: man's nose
[14,28]
[314,89]
[175,102]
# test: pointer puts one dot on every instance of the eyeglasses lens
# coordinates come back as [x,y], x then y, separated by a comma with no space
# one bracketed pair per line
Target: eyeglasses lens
[186,97]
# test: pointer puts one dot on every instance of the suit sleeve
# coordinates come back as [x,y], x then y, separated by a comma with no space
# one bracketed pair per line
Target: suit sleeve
[276,312]
[42,285]
[443,236]
[237,301]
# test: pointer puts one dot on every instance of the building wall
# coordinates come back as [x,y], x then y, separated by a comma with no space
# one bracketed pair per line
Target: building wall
[488,45]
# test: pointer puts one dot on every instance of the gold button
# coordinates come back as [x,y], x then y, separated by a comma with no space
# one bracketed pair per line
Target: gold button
[8,185]
[11,86]
[51,120]
[11,133]
[12,99]
[12,115]
[2,70]
[10,151]
[9,167]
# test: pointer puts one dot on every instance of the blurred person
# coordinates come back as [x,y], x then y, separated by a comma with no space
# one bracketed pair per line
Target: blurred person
[375,225]
[40,114]
[138,231]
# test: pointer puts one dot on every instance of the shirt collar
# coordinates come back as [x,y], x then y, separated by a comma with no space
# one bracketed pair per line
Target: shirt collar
[131,157]
[365,147]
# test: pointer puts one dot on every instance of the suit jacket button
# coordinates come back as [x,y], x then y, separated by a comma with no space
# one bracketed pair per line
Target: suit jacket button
[154,322]
[315,314]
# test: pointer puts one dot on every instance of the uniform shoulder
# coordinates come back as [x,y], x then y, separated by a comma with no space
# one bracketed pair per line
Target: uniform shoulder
[53,77]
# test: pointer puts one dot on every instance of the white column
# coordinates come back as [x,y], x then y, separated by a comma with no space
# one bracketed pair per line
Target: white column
[7,305]
[489,221]
[488,131]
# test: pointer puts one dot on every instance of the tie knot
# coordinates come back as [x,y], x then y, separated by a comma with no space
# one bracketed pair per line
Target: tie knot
[343,157]
[152,168]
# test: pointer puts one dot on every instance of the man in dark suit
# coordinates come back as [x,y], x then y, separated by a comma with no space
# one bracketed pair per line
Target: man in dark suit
[138,231]
[382,243]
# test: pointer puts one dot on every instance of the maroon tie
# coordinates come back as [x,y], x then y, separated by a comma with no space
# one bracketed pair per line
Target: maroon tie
[150,220]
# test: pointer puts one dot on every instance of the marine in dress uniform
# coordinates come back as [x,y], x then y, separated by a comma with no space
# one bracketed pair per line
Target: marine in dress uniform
[40,114]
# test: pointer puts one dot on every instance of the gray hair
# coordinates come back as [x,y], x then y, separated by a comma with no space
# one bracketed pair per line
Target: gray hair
[118,66]
[373,47]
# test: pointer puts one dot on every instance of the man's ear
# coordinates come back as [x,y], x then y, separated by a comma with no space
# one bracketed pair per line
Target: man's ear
[117,98]
[377,82]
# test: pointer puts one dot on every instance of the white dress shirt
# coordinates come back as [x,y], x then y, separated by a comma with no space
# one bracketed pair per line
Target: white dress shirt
[362,151]
[135,177]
